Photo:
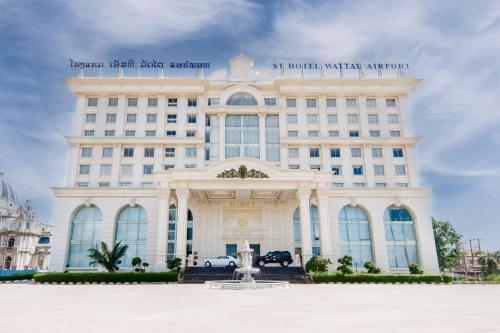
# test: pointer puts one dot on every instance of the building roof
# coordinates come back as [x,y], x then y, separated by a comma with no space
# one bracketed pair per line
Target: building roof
[6,191]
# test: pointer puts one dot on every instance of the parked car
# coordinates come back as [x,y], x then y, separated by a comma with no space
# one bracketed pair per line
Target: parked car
[284,258]
[222,261]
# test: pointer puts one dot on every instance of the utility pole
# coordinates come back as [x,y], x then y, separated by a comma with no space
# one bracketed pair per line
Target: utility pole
[472,256]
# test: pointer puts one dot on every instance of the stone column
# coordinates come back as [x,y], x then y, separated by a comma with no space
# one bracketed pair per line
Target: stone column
[304,196]
[412,166]
[324,224]
[222,136]
[180,249]
[162,230]
[262,136]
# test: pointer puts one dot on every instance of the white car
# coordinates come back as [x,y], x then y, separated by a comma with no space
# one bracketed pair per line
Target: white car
[222,261]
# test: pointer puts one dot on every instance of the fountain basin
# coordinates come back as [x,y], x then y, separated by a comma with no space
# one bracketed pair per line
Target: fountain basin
[238,284]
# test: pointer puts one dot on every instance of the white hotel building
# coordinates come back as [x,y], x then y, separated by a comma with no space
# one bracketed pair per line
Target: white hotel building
[328,169]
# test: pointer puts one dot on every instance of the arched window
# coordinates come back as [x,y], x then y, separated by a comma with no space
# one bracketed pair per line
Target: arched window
[355,235]
[315,232]
[400,237]
[241,98]
[7,263]
[85,234]
[131,229]
[172,232]
[11,243]
[44,240]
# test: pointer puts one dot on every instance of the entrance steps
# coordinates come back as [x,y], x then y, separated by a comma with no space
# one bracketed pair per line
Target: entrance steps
[202,274]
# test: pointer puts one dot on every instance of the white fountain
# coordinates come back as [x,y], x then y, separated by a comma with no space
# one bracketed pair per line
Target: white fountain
[247,271]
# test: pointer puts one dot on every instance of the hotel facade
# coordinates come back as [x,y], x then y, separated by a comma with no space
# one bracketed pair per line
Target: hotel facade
[192,167]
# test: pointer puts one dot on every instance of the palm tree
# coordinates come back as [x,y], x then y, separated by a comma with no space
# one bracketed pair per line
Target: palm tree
[106,258]
[488,263]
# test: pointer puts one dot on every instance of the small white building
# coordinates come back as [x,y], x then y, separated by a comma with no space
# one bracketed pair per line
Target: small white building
[177,166]
[24,240]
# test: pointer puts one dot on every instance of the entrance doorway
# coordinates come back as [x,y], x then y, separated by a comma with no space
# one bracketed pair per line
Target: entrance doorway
[256,249]
[231,250]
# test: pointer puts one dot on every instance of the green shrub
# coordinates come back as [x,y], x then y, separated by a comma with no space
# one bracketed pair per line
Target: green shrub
[345,264]
[138,265]
[174,264]
[317,264]
[415,269]
[16,277]
[106,277]
[371,268]
[380,278]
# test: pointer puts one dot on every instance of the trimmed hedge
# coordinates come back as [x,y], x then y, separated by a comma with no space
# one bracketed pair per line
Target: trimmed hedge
[16,277]
[380,278]
[129,277]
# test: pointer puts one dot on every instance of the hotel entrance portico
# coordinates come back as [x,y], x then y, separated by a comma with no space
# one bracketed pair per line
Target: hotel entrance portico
[241,199]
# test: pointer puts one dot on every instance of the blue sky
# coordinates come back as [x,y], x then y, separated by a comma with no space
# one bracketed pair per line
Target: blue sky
[452,45]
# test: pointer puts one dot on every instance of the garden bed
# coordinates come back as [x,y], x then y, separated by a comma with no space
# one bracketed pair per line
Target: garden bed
[127,277]
[16,277]
[379,278]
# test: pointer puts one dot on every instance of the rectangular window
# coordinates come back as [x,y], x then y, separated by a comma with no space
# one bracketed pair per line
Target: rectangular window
[127,169]
[272,137]
[359,185]
[84,169]
[331,103]
[109,133]
[371,103]
[312,119]
[86,152]
[151,118]
[397,152]
[355,152]
[334,152]
[128,152]
[105,169]
[403,185]
[375,134]
[291,119]
[113,101]
[171,133]
[311,102]
[213,101]
[88,133]
[316,167]
[189,166]
[242,136]
[337,185]
[152,102]
[337,170]
[107,152]
[390,102]
[291,103]
[147,169]
[168,166]
[124,184]
[90,118]
[400,170]
[376,152]
[190,152]
[357,170]
[293,166]
[192,102]
[380,185]
[131,118]
[147,184]
[378,170]
[92,101]
[350,102]
[270,101]
[171,118]
[395,134]
[353,134]
[132,101]
[104,184]
[313,134]
[373,118]
[111,118]
[150,133]
[172,102]
[191,119]
[352,118]
[149,152]
[82,184]
[190,134]
[293,152]
[393,119]
[130,133]
[293,134]
[313,152]
[332,118]
[170,152]
[333,134]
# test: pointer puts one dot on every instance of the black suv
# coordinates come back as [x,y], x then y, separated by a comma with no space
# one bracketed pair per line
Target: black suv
[284,258]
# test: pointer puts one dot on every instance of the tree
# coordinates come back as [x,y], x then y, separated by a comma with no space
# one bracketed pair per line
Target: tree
[447,244]
[487,262]
[317,264]
[345,264]
[106,258]
[371,268]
